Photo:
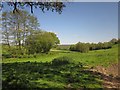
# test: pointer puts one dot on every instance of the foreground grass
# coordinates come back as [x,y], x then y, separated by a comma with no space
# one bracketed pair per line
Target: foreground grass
[46,75]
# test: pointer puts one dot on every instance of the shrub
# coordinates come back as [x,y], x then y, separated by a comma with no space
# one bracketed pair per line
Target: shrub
[30,56]
[85,47]
[20,56]
[61,61]
[72,48]
[80,47]
[41,41]
[34,55]
[16,82]
[6,55]
[114,41]
[25,56]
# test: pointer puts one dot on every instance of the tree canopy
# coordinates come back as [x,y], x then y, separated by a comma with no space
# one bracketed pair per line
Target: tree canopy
[21,33]
[52,6]
[85,47]
[42,41]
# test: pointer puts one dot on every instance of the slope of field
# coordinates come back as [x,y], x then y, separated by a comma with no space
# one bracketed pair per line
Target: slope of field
[93,58]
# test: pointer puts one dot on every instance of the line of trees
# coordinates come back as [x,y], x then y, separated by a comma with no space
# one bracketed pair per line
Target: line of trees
[85,47]
[21,34]
[16,27]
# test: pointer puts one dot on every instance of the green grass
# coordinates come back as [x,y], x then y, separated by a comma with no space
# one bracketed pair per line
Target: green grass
[93,58]
[48,84]
[41,73]
[47,75]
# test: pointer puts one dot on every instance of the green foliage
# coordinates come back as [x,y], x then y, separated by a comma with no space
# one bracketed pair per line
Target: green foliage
[33,75]
[114,41]
[41,41]
[52,6]
[22,35]
[85,47]
[41,73]
[14,81]
[61,61]
[16,27]
[6,55]
[63,47]
[92,58]
[80,47]
[105,45]
[72,48]
[6,52]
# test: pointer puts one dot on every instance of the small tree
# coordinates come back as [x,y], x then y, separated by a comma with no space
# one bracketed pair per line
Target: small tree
[80,47]
[72,48]
[84,48]
[114,41]
[41,42]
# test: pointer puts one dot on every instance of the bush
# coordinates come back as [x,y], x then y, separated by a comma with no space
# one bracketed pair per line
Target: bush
[34,55]
[61,61]
[85,47]
[41,41]
[80,47]
[6,55]
[30,56]
[25,56]
[72,48]
[16,82]
[114,41]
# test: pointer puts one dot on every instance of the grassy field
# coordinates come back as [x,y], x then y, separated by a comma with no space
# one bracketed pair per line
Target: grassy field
[39,72]
[93,58]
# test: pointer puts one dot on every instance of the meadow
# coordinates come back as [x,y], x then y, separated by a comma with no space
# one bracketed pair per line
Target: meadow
[42,72]
[35,58]
[103,57]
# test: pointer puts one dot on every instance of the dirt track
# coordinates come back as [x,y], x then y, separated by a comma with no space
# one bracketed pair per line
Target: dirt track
[109,76]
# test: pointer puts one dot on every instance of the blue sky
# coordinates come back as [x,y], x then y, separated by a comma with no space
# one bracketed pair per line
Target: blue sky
[82,21]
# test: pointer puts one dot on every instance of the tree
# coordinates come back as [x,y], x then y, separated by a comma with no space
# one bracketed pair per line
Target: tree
[53,6]
[107,45]
[118,40]
[5,29]
[80,47]
[56,40]
[85,47]
[92,46]
[114,41]
[16,27]
[99,46]
[72,48]
[41,42]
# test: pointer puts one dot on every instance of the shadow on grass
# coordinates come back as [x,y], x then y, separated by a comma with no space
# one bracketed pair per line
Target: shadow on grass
[109,81]
[30,75]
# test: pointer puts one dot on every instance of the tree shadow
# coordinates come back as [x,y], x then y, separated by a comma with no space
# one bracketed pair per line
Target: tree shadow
[29,75]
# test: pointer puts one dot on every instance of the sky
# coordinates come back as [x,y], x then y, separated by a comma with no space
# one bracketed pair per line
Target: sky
[81,21]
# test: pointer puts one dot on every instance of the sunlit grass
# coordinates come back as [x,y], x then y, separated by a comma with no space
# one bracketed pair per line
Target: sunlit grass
[92,58]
